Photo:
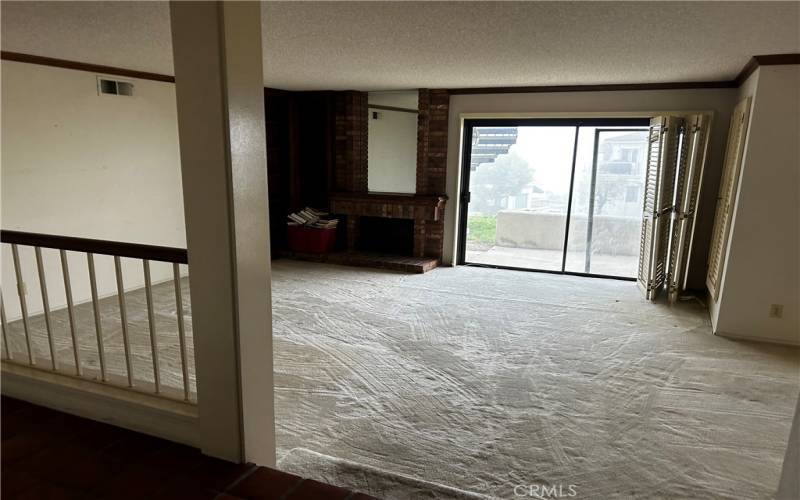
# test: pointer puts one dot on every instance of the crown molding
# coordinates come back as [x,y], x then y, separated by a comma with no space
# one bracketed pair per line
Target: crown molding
[80,66]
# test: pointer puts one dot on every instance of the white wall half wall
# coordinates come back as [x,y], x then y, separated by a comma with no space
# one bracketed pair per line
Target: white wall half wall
[640,103]
[76,163]
[762,265]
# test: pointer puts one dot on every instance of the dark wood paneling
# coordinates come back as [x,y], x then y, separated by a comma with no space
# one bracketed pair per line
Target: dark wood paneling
[299,155]
[80,66]
[276,111]
[312,135]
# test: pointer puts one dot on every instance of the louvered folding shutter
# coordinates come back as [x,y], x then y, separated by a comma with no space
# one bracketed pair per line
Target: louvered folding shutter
[658,204]
[727,193]
[678,197]
[687,186]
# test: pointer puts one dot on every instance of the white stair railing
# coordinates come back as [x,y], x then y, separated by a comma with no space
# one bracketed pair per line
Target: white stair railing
[22,351]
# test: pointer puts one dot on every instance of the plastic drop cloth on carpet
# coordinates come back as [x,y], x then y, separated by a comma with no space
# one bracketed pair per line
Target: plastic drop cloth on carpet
[483,381]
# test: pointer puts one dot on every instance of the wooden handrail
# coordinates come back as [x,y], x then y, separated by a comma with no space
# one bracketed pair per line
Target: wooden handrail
[102,247]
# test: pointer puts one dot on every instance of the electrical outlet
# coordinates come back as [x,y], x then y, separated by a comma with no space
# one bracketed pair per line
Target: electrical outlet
[776,310]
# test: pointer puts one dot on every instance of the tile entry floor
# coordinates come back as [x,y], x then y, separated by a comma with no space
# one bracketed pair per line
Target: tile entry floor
[51,455]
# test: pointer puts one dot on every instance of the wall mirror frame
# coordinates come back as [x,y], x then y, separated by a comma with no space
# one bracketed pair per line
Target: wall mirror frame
[392,141]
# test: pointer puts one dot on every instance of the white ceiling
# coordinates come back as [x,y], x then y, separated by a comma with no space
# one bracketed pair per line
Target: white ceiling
[396,45]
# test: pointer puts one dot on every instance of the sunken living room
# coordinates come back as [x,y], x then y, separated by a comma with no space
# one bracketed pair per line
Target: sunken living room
[400,250]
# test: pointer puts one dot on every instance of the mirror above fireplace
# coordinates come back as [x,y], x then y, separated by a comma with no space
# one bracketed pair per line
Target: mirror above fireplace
[392,141]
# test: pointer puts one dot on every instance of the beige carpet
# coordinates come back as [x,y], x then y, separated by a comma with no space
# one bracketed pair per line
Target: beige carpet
[469,383]
[483,380]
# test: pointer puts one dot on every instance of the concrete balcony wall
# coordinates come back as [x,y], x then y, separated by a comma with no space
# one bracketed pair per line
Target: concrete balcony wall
[611,234]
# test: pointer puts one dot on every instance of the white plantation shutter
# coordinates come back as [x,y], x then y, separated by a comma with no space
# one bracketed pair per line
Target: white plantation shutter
[687,187]
[678,193]
[646,243]
[727,193]
[659,192]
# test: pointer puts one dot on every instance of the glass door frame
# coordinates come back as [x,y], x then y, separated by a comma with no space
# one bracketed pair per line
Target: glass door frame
[576,123]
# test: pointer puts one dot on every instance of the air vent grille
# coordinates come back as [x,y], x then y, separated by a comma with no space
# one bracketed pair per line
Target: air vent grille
[114,87]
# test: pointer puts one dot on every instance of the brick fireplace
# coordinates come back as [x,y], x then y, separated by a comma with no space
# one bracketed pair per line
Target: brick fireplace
[317,156]
[425,208]
[426,211]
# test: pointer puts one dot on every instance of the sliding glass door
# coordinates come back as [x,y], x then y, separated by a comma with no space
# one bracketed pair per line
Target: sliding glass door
[519,194]
[607,202]
[553,195]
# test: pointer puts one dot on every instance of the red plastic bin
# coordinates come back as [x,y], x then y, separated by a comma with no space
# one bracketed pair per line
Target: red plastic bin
[303,239]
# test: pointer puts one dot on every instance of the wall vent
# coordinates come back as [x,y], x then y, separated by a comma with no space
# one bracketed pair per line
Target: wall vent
[114,87]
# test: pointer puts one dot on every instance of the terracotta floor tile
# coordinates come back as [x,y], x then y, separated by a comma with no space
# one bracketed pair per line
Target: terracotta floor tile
[218,474]
[82,474]
[181,489]
[14,480]
[265,484]
[20,447]
[11,405]
[133,482]
[314,489]
[30,419]
[44,491]
[178,459]
[133,448]
[52,455]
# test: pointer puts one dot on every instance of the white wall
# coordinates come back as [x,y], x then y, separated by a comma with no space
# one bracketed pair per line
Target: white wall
[392,144]
[763,258]
[587,104]
[77,163]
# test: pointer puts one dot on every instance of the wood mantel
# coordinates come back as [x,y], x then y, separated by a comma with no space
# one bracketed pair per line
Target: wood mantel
[427,212]
[420,207]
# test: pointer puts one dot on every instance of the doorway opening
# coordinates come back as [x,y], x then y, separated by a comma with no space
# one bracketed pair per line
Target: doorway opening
[554,195]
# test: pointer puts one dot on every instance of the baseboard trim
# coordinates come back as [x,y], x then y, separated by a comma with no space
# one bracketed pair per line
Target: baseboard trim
[768,340]
[171,420]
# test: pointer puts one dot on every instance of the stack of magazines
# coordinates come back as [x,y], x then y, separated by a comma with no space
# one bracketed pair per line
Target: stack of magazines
[312,217]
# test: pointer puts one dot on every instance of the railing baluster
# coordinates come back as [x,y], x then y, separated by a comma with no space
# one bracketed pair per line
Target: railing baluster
[23,304]
[6,350]
[98,327]
[148,291]
[176,277]
[46,307]
[130,333]
[71,312]
[123,315]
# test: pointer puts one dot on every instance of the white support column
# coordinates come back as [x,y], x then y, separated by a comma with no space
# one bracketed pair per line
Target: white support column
[220,95]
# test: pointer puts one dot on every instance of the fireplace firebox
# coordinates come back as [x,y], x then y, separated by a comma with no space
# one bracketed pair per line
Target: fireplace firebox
[386,236]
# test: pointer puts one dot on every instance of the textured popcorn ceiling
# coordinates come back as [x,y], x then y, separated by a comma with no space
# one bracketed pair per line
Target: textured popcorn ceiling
[394,45]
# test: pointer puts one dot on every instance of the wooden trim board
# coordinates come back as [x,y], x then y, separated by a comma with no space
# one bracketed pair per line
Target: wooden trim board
[80,66]
[747,70]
